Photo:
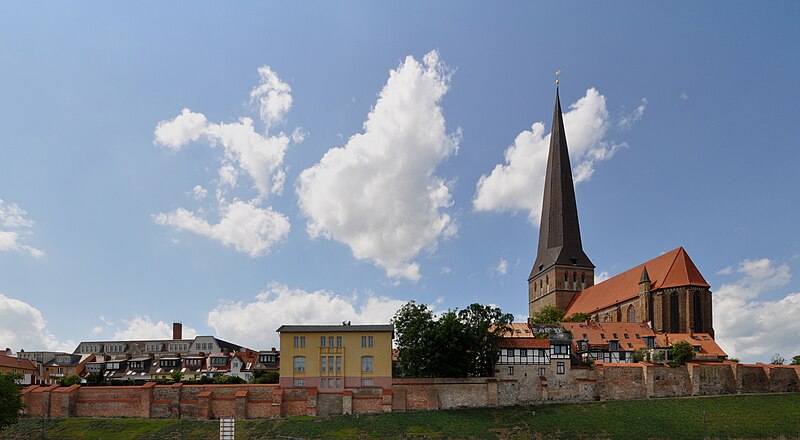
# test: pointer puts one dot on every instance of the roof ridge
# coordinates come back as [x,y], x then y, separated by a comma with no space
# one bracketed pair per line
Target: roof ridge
[666,274]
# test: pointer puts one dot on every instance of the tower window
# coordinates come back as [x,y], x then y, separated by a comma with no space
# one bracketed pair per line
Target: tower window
[574,261]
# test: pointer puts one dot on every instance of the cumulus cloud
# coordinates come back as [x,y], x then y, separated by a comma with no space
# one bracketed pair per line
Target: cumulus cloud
[518,184]
[600,277]
[15,229]
[142,327]
[378,194]
[627,121]
[253,324]
[501,267]
[243,225]
[750,326]
[23,326]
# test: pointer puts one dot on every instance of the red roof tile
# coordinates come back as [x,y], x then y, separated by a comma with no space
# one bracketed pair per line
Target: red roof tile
[707,344]
[524,343]
[12,362]
[599,333]
[673,269]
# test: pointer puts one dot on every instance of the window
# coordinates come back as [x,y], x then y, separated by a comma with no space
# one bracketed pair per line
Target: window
[523,353]
[630,345]
[296,342]
[302,342]
[622,356]
[338,382]
[613,345]
[299,364]
[338,364]
[363,341]
[615,336]
[631,313]
[338,341]
[697,312]
[510,371]
[330,341]
[561,349]
[542,371]
[602,335]
[369,341]
[366,382]
[366,364]
[323,364]
[299,382]
[637,336]
[626,336]
[322,340]
[560,368]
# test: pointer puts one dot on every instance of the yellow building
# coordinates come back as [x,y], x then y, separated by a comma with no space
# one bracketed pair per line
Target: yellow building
[335,357]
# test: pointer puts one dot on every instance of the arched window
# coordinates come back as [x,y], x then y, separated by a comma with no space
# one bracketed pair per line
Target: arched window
[583,281]
[547,282]
[574,280]
[607,317]
[631,313]
[674,310]
[698,312]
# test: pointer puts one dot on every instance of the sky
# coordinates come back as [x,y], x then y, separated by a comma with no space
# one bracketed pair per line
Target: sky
[238,167]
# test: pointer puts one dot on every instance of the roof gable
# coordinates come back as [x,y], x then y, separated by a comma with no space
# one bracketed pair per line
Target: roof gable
[673,269]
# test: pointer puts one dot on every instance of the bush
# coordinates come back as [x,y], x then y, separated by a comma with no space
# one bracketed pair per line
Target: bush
[95,379]
[225,380]
[681,353]
[10,399]
[70,380]
[265,377]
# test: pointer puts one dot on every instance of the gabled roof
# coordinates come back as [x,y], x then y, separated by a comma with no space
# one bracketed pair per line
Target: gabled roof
[600,333]
[673,269]
[707,344]
[12,362]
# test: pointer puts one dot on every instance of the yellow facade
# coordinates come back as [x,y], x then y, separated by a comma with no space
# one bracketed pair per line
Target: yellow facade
[336,357]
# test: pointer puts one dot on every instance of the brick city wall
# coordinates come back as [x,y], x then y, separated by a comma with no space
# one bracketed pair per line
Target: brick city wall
[603,382]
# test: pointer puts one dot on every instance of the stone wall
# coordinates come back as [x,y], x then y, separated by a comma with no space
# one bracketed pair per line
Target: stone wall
[602,382]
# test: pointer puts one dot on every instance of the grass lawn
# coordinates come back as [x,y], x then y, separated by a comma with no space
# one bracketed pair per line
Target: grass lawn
[762,416]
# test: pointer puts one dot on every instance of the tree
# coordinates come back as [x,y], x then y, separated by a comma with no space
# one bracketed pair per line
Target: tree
[777,359]
[226,380]
[261,376]
[548,315]
[577,317]
[70,380]
[796,360]
[641,355]
[413,326]
[10,399]
[486,326]
[682,352]
[95,379]
[177,375]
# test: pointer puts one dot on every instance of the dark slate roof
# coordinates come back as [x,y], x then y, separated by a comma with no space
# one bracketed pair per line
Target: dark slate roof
[335,328]
[559,232]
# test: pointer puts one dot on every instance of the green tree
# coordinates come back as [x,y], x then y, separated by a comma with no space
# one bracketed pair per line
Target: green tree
[577,317]
[261,376]
[448,348]
[777,359]
[413,327]
[796,360]
[641,355]
[177,375]
[95,379]
[486,326]
[10,399]
[70,380]
[225,379]
[548,315]
[682,352]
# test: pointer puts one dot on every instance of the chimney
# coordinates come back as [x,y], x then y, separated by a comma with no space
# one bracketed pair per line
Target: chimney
[177,330]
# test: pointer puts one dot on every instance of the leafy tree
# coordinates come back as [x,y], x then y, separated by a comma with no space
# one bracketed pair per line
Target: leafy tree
[796,360]
[548,315]
[177,375]
[225,379]
[70,380]
[486,326]
[577,317]
[10,399]
[734,360]
[448,347]
[261,376]
[413,327]
[641,355]
[682,352]
[777,359]
[95,379]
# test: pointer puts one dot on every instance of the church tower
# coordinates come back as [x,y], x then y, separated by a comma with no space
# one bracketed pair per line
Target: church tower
[561,269]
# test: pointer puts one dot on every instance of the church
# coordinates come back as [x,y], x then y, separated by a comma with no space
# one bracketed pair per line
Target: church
[668,292]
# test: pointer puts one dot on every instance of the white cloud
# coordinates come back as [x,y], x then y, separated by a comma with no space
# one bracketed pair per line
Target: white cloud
[142,327]
[23,326]
[446,270]
[518,184]
[378,194]
[725,271]
[501,267]
[253,324]
[199,192]
[750,326]
[684,96]
[15,229]
[243,225]
[600,277]
[626,121]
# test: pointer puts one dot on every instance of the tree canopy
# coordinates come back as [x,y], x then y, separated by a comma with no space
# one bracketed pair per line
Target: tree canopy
[796,360]
[10,399]
[457,344]
[682,352]
[548,315]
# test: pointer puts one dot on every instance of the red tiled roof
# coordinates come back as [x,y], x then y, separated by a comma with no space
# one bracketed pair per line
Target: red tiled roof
[599,333]
[518,330]
[523,343]
[12,362]
[673,269]
[707,344]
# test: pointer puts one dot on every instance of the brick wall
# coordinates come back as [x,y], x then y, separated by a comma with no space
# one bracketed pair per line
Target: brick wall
[603,382]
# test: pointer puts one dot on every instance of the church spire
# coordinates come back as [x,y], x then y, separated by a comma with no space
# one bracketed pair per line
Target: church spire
[559,232]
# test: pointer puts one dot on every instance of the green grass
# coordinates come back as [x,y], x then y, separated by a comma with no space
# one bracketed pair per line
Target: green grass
[762,416]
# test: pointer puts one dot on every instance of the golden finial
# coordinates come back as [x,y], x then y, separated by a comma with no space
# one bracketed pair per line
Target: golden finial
[558,72]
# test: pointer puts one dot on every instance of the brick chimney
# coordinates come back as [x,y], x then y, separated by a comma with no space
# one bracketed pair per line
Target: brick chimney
[177,330]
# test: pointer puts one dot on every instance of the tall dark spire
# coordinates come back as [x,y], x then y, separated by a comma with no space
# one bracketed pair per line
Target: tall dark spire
[559,232]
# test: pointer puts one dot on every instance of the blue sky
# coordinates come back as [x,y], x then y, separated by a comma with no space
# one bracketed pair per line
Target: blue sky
[683,121]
